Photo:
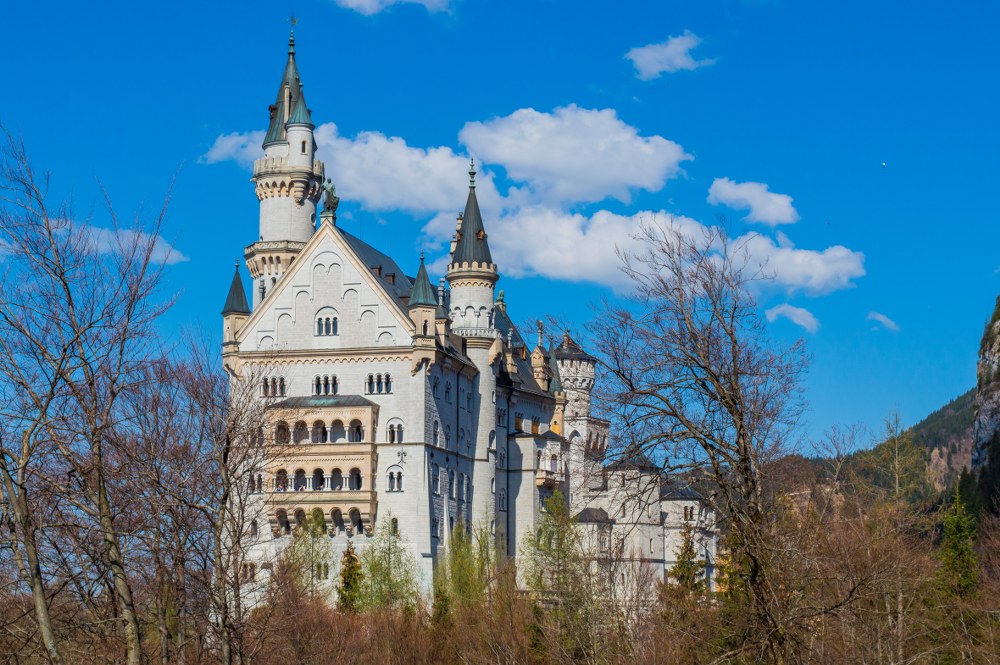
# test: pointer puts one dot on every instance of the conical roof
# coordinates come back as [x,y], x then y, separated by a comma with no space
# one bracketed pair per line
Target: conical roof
[300,114]
[236,301]
[290,79]
[472,246]
[555,385]
[422,294]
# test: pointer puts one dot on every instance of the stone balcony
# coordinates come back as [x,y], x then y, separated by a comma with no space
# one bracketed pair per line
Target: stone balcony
[548,479]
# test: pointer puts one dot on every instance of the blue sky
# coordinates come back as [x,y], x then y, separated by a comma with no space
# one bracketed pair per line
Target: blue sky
[587,116]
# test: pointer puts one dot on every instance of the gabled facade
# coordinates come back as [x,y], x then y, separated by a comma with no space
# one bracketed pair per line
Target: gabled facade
[385,397]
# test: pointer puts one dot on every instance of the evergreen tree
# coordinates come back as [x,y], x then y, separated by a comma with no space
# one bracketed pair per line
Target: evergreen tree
[958,558]
[351,576]
[688,572]
[389,569]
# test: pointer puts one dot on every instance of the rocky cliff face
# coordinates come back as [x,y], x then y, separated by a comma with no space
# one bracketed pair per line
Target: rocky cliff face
[987,421]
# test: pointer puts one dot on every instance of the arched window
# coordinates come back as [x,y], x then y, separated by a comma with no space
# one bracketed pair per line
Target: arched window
[357,432]
[399,433]
[281,434]
[503,499]
[336,480]
[553,464]
[378,383]
[284,526]
[300,518]
[319,326]
[461,486]
[391,434]
[301,432]
[281,481]
[355,479]
[447,437]
[447,392]
[326,385]
[399,481]
[451,484]
[319,481]
[370,386]
[387,383]
[274,387]
[253,572]
[319,385]
[334,389]
[338,521]
[300,480]
[435,479]
[392,481]
[394,527]
[468,489]
[327,328]
[333,326]
[253,529]
[436,427]
[318,432]
[356,521]
[434,386]
[281,387]
[265,390]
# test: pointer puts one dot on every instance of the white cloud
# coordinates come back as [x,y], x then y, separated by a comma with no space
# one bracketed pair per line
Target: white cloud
[884,320]
[106,241]
[670,56]
[765,206]
[797,315]
[574,154]
[369,7]
[241,147]
[813,271]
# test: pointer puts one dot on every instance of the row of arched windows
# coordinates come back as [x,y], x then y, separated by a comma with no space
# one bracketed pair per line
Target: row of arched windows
[378,384]
[462,490]
[319,480]
[273,387]
[326,325]
[325,385]
[336,432]
[336,524]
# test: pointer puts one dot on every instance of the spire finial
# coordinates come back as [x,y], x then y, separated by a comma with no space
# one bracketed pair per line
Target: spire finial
[472,173]
[237,264]
[421,256]
[541,332]
[291,33]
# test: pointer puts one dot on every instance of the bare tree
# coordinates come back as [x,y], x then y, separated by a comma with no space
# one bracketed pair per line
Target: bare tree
[692,379]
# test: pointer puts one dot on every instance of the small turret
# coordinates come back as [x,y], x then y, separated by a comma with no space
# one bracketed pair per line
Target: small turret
[236,311]
[422,305]
[471,272]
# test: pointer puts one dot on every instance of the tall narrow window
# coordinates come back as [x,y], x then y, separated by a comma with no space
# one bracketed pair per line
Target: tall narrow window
[303,147]
[281,387]
[388,384]
[319,326]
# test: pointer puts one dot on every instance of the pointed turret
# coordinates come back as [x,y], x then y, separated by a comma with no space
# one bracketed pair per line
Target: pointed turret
[288,180]
[471,246]
[472,273]
[235,313]
[289,92]
[236,301]
[423,293]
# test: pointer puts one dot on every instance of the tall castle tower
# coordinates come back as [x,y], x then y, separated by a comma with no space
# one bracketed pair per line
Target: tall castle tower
[472,276]
[288,180]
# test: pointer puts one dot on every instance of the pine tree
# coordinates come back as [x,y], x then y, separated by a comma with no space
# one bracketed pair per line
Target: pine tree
[958,558]
[688,572]
[351,576]
[390,570]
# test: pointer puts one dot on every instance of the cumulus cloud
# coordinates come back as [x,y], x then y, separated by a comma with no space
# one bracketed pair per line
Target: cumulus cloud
[369,7]
[888,323]
[670,56]
[797,315]
[385,173]
[106,241]
[574,154]
[765,206]
[240,147]
[814,272]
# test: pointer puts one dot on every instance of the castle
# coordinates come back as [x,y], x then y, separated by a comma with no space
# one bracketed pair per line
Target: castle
[387,396]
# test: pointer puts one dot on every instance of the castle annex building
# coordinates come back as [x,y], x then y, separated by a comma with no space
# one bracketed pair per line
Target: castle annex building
[389,397]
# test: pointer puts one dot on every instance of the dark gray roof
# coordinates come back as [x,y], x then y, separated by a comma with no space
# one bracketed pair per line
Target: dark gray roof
[472,246]
[423,293]
[568,349]
[236,301]
[300,112]
[593,516]
[321,401]
[276,128]
[400,289]
[633,458]
[524,380]
[677,490]
[555,385]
